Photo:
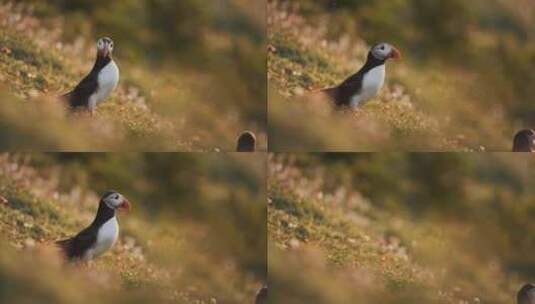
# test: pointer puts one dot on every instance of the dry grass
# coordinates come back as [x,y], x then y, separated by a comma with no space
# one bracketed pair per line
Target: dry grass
[423,107]
[332,245]
[157,259]
[152,110]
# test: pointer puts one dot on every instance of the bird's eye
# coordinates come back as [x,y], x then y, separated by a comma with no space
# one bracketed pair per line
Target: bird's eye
[383,47]
[116,197]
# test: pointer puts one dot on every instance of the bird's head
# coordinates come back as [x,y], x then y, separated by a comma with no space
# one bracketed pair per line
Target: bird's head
[526,295]
[104,47]
[385,51]
[524,141]
[246,142]
[115,200]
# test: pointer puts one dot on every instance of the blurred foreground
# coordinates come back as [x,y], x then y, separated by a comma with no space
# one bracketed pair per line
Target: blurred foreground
[465,82]
[400,228]
[189,81]
[196,234]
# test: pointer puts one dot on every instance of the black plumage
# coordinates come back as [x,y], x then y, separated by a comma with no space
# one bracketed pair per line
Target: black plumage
[84,95]
[524,141]
[526,295]
[79,96]
[342,94]
[359,88]
[246,142]
[262,295]
[76,247]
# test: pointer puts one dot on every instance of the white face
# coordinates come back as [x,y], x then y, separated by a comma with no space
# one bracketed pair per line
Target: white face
[105,46]
[384,51]
[115,200]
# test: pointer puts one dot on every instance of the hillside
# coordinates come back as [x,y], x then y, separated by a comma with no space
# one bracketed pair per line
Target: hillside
[432,101]
[158,106]
[382,235]
[169,251]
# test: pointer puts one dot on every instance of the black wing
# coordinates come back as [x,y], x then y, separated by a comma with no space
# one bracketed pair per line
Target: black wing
[342,94]
[348,89]
[262,295]
[79,97]
[75,247]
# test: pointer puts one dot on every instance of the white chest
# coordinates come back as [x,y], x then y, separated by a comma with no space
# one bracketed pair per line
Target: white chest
[372,82]
[108,78]
[106,238]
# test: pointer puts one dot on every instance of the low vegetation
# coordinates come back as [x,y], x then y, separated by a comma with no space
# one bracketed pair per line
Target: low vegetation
[438,98]
[375,228]
[200,243]
[160,105]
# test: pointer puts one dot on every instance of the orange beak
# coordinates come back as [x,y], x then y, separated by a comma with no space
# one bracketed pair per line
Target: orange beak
[395,54]
[125,205]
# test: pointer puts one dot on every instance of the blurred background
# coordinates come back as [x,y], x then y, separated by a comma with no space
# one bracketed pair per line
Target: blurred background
[196,232]
[465,82]
[400,228]
[192,73]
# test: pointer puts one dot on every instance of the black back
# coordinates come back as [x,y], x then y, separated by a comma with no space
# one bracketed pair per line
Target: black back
[79,97]
[75,247]
[262,295]
[341,95]
[526,295]
[523,141]
[246,142]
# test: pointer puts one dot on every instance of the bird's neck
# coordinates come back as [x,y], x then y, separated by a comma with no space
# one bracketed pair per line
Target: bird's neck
[104,213]
[372,62]
[101,62]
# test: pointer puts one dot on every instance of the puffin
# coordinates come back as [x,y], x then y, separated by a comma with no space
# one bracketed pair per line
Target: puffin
[524,141]
[262,295]
[246,142]
[101,235]
[526,295]
[99,83]
[366,83]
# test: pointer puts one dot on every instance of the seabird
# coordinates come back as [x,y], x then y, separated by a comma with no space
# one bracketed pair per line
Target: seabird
[101,235]
[262,295]
[99,83]
[524,141]
[367,82]
[526,295]
[246,142]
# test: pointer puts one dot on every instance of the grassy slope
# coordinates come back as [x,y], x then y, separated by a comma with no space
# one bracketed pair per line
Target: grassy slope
[143,113]
[409,114]
[335,247]
[154,260]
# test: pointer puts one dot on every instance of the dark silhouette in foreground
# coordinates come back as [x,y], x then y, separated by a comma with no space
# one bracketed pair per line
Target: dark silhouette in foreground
[262,295]
[524,141]
[526,295]
[246,142]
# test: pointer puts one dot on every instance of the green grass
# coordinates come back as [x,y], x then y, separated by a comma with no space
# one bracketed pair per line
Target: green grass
[151,110]
[32,72]
[293,221]
[429,106]
[333,246]
[157,258]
